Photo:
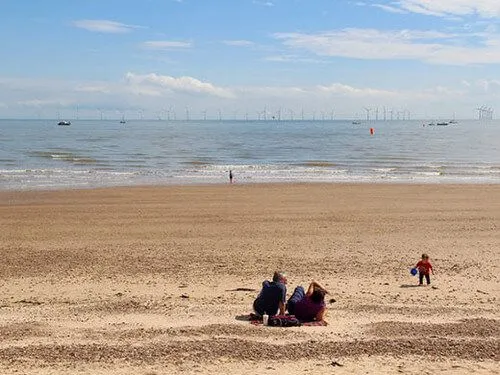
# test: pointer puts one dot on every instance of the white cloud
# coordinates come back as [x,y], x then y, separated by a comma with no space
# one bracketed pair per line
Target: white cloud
[165,45]
[238,43]
[388,8]
[481,8]
[181,84]
[350,91]
[264,3]
[274,92]
[104,26]
[292,59]
[39,103]
[488,86]
[370,44]
[93,89]
[153,93]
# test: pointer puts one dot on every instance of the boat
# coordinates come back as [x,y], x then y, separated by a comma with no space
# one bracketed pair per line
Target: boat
[123,122]
[442,124]
[64,123]
[453,122]
[356,122]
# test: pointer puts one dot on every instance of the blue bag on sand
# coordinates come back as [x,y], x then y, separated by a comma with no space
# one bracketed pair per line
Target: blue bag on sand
[413,271]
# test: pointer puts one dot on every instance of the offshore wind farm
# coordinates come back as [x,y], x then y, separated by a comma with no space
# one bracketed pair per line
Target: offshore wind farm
[266,113]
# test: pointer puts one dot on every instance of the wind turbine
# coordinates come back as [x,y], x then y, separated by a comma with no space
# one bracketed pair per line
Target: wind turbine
[367,113]
[480,112]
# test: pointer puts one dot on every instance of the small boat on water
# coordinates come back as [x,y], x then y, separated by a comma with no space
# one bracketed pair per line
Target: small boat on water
[356,122]
[64,123]
[442,124]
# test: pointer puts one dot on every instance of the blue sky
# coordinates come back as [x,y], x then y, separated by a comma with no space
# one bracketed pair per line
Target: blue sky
[248,58]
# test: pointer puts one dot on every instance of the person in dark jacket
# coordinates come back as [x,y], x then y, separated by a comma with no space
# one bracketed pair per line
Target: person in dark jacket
[272,297]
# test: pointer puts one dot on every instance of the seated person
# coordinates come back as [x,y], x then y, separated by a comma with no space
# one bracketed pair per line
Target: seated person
[309,306]
[272,297]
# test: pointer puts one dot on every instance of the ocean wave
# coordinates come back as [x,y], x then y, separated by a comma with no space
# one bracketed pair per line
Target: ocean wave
[65,156]
[204,152]
[316,163]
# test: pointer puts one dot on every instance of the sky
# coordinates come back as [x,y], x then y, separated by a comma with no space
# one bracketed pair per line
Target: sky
[255,59]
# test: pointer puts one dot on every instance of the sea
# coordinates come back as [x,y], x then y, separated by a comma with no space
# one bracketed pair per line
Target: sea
[42,155]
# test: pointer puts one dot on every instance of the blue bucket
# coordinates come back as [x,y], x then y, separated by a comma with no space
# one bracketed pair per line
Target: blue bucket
[413,271]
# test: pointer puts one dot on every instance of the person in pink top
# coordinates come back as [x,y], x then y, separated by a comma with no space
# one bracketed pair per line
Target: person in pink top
[308,306]
[424,268]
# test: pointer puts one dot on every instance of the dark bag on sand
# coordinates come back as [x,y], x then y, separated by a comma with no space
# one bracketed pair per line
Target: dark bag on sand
[283,321]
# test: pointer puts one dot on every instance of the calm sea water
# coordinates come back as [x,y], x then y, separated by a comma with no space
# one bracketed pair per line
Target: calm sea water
[39,154]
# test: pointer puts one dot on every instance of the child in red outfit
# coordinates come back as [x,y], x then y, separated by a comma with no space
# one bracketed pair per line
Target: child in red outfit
[424,269]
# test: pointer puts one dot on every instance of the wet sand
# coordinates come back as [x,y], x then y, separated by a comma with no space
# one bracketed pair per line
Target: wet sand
[159,280]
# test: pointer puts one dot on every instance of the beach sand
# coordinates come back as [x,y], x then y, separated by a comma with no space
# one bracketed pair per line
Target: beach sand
[159,280]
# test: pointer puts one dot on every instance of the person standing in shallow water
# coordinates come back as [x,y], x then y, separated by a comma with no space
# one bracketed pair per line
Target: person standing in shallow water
[230,176]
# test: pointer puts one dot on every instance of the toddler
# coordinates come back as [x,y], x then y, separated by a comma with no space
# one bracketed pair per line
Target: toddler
[424,269]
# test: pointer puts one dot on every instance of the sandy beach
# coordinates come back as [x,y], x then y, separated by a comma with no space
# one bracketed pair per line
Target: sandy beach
[159,280]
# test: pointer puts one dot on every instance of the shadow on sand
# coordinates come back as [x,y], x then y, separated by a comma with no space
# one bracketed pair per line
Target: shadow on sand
[241,290]
[252,317]
[245,317]
[409,286]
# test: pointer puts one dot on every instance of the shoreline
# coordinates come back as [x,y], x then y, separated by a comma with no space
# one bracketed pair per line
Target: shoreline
[258,183]
[145,279]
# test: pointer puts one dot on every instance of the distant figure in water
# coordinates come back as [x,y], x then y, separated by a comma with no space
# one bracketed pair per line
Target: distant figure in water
[230,176]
